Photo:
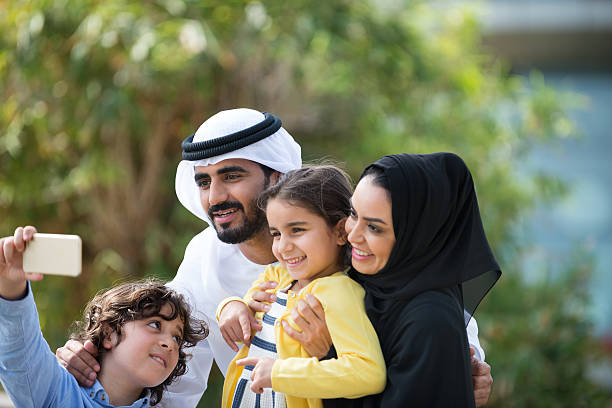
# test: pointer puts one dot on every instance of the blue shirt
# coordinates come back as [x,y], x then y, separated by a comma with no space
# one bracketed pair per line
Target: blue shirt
[29,371]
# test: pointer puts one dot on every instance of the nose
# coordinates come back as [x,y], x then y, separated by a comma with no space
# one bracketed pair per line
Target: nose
[284,245]
[353,231]
[166,341]
[217,193]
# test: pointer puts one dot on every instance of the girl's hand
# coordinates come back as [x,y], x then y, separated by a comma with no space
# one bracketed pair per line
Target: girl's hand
[236,322]
[260,299]
[12,277]
[261,376]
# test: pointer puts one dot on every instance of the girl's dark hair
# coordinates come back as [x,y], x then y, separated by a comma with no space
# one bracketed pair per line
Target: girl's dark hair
[323,189]
[139,300]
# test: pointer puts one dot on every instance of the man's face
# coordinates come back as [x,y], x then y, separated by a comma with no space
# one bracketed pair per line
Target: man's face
[228,192]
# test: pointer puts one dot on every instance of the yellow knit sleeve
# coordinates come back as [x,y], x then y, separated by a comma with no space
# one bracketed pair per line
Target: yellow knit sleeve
[359,369]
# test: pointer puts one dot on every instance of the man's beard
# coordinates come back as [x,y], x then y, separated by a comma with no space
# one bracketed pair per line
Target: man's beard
[254,221]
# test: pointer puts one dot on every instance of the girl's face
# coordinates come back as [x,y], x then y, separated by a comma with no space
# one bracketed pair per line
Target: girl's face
[303,242]
[370,227]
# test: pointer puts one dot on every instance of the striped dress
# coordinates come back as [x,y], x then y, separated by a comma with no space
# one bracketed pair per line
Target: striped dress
[263,344]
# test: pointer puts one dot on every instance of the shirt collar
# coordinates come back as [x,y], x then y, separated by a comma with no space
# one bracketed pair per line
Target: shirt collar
[97,393]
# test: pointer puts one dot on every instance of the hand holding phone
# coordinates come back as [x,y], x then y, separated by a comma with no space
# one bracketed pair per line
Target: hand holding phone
[12,276]
[54,254]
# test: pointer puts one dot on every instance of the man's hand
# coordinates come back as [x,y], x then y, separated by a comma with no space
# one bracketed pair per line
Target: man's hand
[12,276]
[261,376]
[261,299]
[482,380]
[236,322]
[79,360]
[310,318]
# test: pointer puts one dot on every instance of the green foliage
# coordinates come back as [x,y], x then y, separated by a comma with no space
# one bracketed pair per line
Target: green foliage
[539,341]
[97,95]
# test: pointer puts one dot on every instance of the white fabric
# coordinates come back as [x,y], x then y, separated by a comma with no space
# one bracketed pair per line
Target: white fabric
[210,272]
[472,331]
[278,151]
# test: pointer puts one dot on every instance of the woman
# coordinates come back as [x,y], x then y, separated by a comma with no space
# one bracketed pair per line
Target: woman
[420,252]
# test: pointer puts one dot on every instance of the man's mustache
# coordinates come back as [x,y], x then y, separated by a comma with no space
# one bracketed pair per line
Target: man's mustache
[226,205]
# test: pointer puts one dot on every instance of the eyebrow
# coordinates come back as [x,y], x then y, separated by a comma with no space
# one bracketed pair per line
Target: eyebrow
[166,318]
[291,224]
[223,170]
[232,169]
[370,219]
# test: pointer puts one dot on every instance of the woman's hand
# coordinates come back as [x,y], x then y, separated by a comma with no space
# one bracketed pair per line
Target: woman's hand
[12,276]
[310,318]
[236,322]
[261,376]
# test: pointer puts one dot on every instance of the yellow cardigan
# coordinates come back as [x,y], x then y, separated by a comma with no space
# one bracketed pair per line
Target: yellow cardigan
[359,369]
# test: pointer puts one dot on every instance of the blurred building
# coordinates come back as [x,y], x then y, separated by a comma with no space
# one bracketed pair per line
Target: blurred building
[570,43]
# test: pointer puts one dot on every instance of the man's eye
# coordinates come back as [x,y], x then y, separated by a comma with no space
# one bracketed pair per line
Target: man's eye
[232,176]
[203,184]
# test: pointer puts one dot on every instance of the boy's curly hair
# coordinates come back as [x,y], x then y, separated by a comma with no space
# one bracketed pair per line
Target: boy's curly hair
[112,308]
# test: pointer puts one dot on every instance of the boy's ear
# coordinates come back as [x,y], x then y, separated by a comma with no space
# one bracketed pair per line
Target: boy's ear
[340,232]
[110,337]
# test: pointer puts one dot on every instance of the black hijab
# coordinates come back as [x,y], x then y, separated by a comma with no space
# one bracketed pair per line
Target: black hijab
[440,241]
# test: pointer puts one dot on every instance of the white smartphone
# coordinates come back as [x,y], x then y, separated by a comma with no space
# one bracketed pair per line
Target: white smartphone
[54,254]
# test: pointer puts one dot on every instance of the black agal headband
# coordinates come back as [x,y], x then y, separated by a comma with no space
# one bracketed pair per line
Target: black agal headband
[234,141]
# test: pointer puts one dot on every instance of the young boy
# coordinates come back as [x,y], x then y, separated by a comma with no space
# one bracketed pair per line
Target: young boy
[141,330]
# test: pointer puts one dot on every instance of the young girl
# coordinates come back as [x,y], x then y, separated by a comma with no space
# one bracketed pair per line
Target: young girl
[141,330]
[306,211]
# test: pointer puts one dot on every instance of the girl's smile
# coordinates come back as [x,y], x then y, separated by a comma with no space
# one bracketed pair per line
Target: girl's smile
[303,242]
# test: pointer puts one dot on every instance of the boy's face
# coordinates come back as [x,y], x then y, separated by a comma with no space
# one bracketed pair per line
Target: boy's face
[148,351]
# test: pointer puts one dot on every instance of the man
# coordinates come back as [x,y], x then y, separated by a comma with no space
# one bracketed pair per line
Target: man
[232,157]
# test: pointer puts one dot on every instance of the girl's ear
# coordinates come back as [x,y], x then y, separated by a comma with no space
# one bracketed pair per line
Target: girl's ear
[110,337]
[340,232]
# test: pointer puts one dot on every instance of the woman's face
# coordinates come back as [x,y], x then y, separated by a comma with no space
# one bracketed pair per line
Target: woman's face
[370,227]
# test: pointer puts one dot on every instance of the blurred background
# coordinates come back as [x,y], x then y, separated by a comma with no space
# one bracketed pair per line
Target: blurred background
[96,97]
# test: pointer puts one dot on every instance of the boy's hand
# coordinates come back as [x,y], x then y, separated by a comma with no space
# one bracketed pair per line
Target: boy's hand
[79,360]
[261,376]
[12,277]
[236,322]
